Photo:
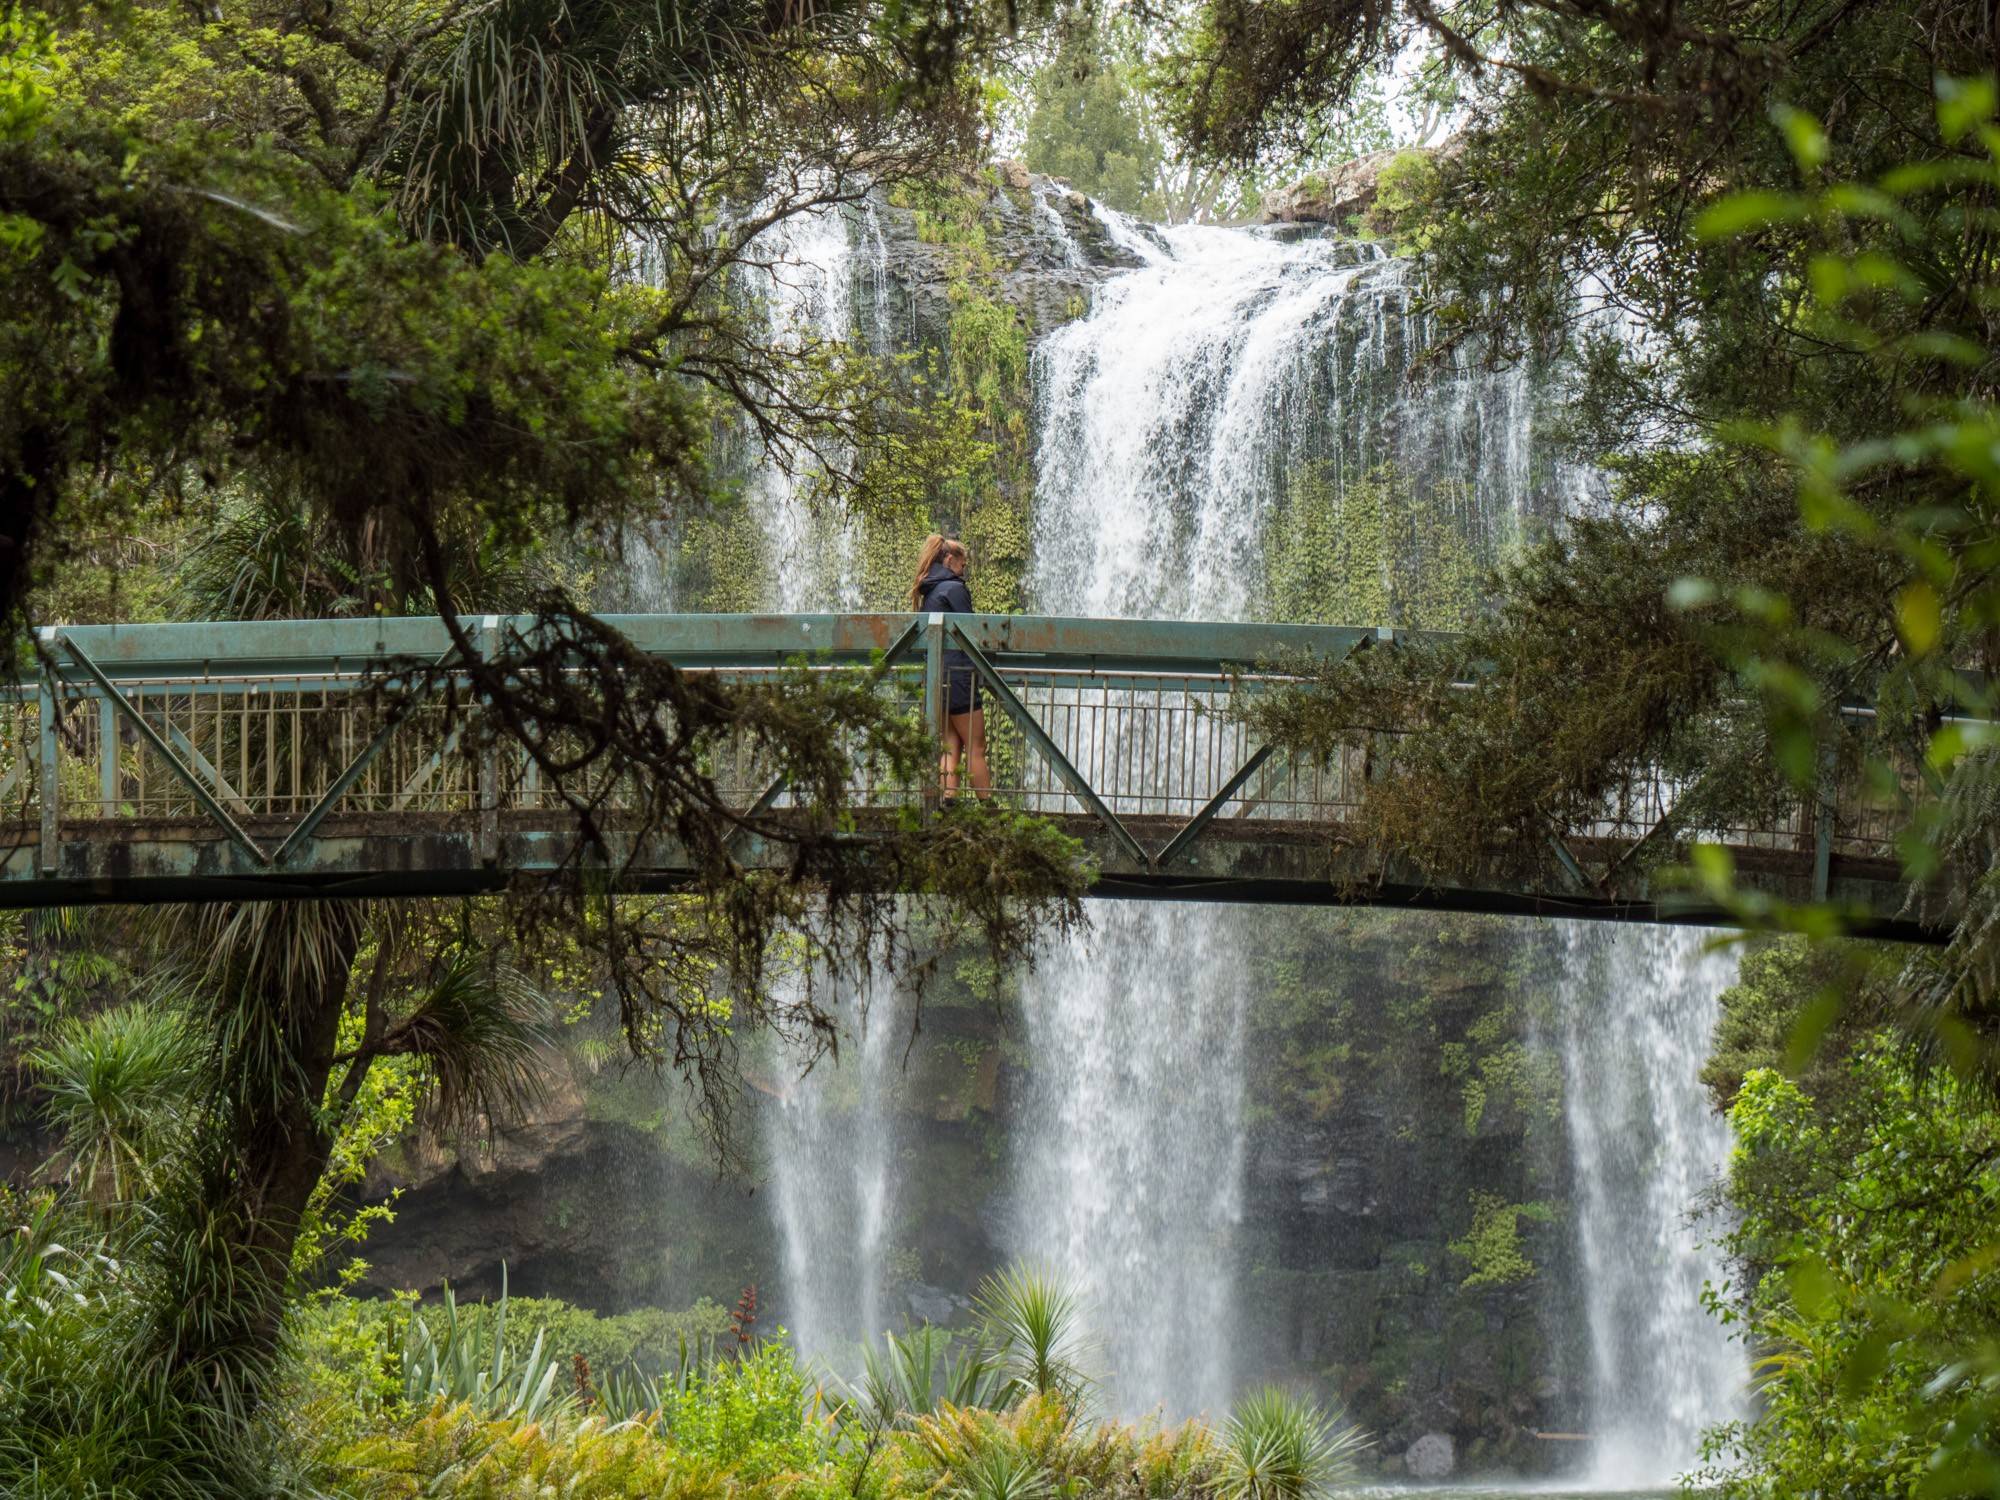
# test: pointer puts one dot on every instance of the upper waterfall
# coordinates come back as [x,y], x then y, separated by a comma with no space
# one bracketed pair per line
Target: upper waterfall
[1204,387]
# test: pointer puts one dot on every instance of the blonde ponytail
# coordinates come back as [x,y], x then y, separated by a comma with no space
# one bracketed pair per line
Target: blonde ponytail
[933,545]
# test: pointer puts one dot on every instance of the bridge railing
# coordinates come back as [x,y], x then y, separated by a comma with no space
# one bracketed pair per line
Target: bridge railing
[266,730]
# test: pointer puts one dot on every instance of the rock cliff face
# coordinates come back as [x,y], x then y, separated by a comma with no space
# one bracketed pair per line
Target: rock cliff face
[1403,1247]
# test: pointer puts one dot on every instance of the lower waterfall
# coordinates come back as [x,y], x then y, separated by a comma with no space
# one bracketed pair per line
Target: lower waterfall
[1637,1010]
[1173,420]
[832,1155]
[1129,1179]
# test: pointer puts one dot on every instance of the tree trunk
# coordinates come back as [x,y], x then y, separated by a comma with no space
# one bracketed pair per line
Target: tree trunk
[270,1138]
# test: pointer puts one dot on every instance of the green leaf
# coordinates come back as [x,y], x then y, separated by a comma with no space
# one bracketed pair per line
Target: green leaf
[1741,212]
[1804,136]
[1715,867]
[1815,1019]
[1964,103]
[1920,617]
[1815,1290]
[1955,740]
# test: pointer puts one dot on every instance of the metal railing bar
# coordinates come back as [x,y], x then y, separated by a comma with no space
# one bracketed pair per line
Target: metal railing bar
[1040,740]
[159,742]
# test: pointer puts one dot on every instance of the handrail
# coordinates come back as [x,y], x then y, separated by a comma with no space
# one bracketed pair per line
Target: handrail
[347,647]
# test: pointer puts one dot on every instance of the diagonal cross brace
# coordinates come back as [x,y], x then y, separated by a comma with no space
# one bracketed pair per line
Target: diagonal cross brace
[360,763]
[1191,830]
[1039,738]
[772,792]
[159,742]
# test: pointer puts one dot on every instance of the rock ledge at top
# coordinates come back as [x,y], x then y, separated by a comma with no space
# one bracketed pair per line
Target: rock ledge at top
[1330,197]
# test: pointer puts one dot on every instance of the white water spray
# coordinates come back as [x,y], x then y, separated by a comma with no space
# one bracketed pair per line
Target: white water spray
[832,1140]
[1169,419]
[1638,1008]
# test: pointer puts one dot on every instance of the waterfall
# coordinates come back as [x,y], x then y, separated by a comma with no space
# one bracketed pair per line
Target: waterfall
[1201,386]
[831,1140]
[805,279]
[1174,423]
[1638,1006]
[1170,420]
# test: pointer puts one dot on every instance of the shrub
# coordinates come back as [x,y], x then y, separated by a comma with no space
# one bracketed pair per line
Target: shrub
[1281,1447]
[1032,1326]
[757,1415]
[450,1450]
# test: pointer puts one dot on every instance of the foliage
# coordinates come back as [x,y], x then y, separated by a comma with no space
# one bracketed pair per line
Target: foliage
[55,964]
[649,1339]
[118,1088]
[914,1373]
[755,1413]
[451,1450]
[1280,1447]
[1093,122]
[1492,1246]
[1031,1324]
[472,1365]
[1870,1289]
[79,1414]
[1367,549]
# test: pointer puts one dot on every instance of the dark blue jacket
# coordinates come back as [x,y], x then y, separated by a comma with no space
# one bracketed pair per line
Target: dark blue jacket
[945,590]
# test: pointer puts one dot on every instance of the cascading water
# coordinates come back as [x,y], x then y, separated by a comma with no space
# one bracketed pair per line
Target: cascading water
[1638,1008]
[831,1138]
[832,1141]
[1176,414]
[1170,419]
[1174,421]
[806,282]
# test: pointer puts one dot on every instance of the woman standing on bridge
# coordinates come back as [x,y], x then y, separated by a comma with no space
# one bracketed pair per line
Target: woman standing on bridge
[940,585]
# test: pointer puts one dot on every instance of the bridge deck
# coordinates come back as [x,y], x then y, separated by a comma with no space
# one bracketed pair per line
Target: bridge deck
[202,761]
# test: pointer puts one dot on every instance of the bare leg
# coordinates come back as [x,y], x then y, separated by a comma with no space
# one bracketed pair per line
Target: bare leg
[970,729]
[954,739]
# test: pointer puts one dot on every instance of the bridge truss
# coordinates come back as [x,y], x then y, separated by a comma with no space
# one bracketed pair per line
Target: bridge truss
[168,762]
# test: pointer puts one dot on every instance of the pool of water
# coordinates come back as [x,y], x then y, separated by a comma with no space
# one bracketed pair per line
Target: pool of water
[1496,1490]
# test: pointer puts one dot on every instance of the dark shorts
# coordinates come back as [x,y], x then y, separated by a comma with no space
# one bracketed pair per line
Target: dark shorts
[961,691]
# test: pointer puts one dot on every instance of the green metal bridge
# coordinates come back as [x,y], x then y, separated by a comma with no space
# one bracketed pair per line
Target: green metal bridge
[166,762]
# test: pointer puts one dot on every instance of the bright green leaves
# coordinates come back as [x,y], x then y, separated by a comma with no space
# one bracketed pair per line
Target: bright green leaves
[1740,213]
[1966,105]
[26,57]
[1867,1209]
[1920,617]
[1804,136]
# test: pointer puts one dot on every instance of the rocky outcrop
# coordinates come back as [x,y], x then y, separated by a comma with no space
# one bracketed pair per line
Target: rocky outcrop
[1335,196]
[1050,246]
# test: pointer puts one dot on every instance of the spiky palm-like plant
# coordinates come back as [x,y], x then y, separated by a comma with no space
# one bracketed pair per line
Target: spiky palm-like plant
[1001,1473]
[1283,1447]
[1031,1323]
[912,1375]
[118,1087]
[471,1364]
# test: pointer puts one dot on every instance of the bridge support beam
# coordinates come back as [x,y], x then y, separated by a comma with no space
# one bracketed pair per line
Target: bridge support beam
[117,700]
[1058,762]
